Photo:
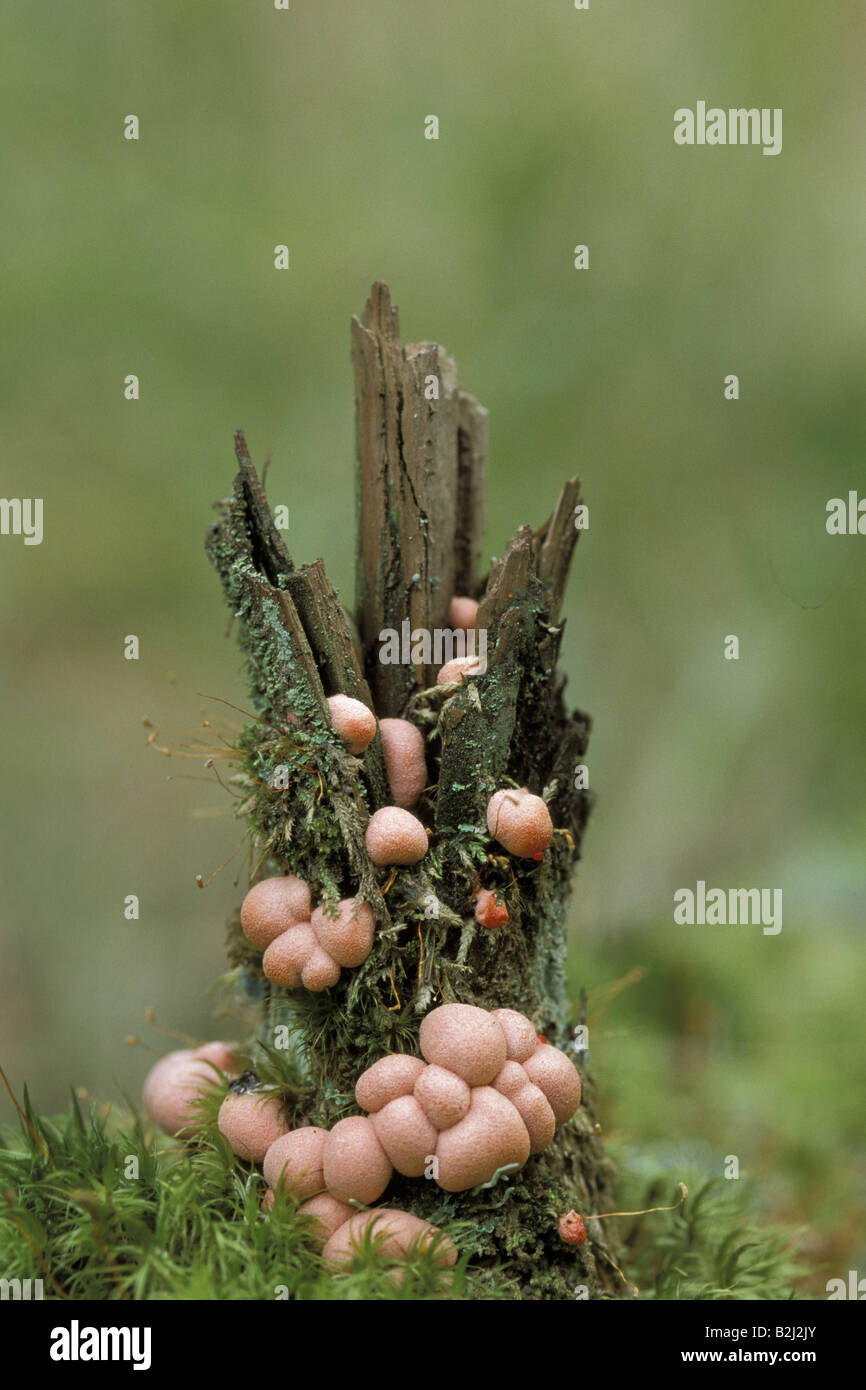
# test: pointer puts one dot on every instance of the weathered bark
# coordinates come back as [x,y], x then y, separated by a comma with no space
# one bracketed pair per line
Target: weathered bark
[420,487]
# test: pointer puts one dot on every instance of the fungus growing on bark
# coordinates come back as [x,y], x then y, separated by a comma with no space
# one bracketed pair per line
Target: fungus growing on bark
[463,613]
[293,1162]
[356,1167]
[272,906]
[353,723]
[312,953]
[520,821]
[460,669]
[571,1228]
[405,762]
[488,912]
[174,1086]
[487,1095]
[491,1092]
[328,1215]
[348,1162]
[395,1234]
[250,1120]
[339,1230]
[395,836]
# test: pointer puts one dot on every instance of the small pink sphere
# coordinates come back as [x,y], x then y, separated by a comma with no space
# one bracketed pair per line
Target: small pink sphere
[272,906]
[463,613]
[460,669]
[520,821]
[173,1088]
[353,723]
[251,1122]
[395,836]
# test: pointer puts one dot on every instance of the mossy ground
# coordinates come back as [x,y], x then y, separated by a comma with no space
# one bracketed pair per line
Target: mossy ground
[190,1226]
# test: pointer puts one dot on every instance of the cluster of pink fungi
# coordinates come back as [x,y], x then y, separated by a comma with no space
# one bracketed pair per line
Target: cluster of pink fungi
[518,819]
[487,1091]
[308,947]
[485,1095]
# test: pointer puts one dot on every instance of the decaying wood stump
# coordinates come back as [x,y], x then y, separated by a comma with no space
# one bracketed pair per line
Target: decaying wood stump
[421,463]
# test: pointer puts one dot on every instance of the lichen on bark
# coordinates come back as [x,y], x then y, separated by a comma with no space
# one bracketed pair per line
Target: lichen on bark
[421,463]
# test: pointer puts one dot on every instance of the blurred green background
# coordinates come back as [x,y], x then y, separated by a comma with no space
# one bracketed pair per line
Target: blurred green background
[306,127]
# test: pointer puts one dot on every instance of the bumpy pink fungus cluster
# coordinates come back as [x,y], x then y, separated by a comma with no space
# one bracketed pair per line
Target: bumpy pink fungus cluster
[487,1096]
[520,821]
[173,1088]
[302,946]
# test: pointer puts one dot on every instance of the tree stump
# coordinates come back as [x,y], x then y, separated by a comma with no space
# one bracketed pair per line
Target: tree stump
[420,489]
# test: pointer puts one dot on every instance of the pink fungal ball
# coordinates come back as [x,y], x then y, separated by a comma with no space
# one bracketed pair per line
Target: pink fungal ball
[535,1111]
[395,1234]
[320,972]
[173,1089]
[460,669]
[348,937]
[272,906]
[530,1103]
[405,762]
[222,1055]
[327,1215]
[520,821]
[251,1122]
[465,1040]
[443,1096]
[558,1077]
[463,613]
[521,1039]
[390,1077]
[406,1135]
[356,1167]
[293,1162]
[353,723]
[160,1070]
[286,957]
[395,836]
[511,1079]
[491,1136]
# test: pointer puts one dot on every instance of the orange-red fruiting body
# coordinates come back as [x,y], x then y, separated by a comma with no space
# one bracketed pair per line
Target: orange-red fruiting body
[488,911]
